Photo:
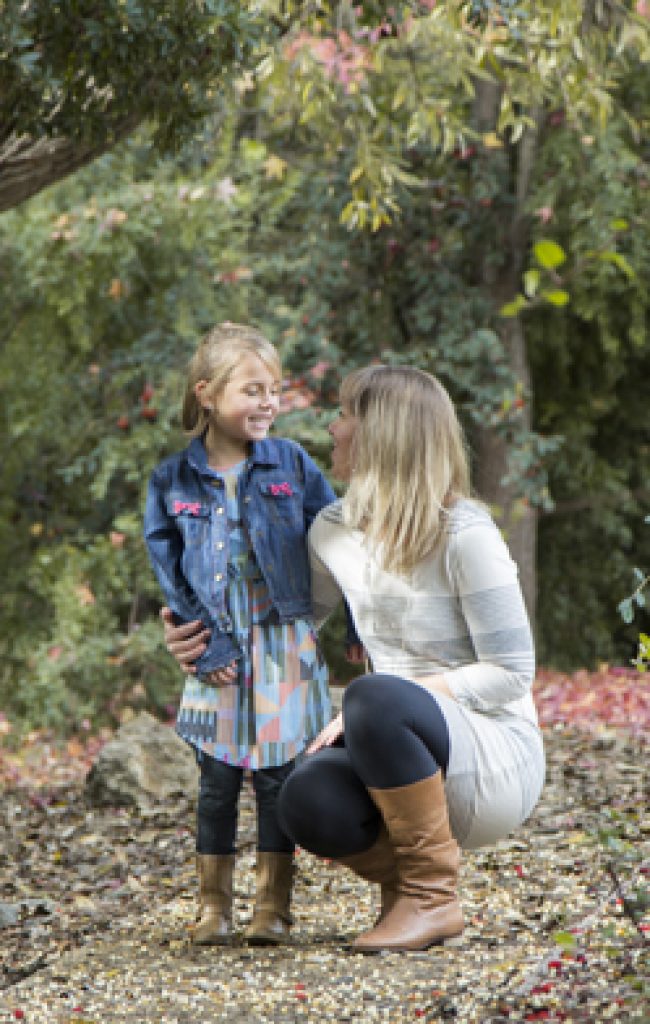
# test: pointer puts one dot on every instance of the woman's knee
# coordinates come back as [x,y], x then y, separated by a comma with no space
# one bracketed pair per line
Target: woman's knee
[371,705]
[325,808]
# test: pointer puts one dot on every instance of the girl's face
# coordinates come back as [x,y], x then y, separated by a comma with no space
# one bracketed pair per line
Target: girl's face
[342,430]
[245,408]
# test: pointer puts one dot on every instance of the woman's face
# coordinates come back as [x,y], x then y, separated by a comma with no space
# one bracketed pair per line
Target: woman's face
[342,430]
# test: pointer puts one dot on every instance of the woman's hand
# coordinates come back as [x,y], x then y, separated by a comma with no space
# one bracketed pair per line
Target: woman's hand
[185,643]
[222,676]
[328,736]
[355,654]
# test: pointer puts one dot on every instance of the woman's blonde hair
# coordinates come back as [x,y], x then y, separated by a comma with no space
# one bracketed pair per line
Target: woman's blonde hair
[219,352]
[409,462]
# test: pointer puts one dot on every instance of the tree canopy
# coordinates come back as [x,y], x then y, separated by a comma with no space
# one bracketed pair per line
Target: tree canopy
[499,240]
[75,78]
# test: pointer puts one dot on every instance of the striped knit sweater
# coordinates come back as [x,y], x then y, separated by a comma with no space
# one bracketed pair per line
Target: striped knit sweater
[461,612]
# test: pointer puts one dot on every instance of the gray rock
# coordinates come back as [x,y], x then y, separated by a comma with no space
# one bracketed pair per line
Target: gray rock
[145,765]
[12,913]
[9,914]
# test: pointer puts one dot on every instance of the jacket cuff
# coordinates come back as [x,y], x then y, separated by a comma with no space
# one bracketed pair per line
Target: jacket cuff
[211,659]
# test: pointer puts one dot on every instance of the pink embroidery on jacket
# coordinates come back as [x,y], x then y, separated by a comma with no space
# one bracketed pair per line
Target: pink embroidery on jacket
[277,489]
[193,507]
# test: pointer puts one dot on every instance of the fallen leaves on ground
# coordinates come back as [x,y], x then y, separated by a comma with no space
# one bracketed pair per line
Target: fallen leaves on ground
[613,697]
[98,906]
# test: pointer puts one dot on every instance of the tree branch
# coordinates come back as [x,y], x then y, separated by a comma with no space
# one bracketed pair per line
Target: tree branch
[28,165]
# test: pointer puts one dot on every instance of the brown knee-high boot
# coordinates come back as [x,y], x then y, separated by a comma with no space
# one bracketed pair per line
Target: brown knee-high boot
[377,865]
[271,920]
[426,909]
[214,926]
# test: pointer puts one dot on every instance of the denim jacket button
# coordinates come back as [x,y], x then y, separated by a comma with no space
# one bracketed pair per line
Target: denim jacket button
[247,499]
[220,546]
[220,511]
[218,577]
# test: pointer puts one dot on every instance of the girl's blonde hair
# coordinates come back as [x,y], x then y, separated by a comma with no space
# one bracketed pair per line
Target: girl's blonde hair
[220,351]
[409,462]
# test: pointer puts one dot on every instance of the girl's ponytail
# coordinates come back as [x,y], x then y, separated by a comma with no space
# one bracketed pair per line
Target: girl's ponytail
[191,412]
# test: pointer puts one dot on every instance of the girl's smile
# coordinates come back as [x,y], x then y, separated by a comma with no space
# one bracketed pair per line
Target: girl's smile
[243,410]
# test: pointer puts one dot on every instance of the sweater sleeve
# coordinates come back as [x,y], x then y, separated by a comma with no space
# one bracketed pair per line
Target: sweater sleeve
[486,581]
[325,591]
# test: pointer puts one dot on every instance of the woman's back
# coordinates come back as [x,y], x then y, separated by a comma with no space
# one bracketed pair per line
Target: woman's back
[459,611]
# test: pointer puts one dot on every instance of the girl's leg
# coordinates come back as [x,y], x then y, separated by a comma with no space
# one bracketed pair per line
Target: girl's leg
[272,917]
[325,807]
[219,789]
[267,783]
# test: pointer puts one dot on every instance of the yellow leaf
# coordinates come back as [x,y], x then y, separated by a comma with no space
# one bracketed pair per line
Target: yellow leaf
[275,167]
[492,141]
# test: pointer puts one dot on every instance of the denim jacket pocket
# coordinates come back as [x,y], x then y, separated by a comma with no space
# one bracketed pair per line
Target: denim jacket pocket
[192,519]
[281,501]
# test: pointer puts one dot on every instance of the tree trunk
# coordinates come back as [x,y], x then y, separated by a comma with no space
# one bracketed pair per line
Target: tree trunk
[518,521]
[29,165]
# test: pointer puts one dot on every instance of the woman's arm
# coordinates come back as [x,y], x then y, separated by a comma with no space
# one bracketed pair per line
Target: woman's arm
[486,580]
[185,643]
[325,591]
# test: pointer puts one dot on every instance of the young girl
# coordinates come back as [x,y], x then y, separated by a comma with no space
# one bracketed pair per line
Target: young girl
[225,525]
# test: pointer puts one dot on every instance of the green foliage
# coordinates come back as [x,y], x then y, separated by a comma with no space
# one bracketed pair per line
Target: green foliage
[589,363]
[107,281]
[380,84]
[76,69]
[627,607]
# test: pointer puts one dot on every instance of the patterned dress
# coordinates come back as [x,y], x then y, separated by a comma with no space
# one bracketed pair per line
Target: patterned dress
[280,699]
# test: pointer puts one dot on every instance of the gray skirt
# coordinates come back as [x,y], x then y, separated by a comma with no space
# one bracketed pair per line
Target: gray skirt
[495,773]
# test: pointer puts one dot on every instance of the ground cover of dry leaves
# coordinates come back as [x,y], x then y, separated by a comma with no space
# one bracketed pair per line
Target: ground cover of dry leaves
[557,927]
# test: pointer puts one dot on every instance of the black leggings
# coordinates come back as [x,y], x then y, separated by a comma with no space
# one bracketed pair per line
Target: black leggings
[395,734]
[219,788]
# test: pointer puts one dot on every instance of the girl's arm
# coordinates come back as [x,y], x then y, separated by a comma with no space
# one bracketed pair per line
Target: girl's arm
[164,545]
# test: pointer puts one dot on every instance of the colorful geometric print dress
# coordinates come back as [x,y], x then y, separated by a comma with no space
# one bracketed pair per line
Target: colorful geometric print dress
[280,699]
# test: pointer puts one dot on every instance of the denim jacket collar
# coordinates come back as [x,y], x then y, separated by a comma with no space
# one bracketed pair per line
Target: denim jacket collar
[264,453]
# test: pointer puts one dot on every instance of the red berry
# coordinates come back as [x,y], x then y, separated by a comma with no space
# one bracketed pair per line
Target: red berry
[149,413]
[147,394]
[123,422]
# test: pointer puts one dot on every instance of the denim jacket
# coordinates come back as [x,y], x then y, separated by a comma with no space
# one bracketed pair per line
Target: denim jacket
[186,530]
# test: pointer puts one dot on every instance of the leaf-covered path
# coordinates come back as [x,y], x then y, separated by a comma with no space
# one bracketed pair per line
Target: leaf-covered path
[555,925]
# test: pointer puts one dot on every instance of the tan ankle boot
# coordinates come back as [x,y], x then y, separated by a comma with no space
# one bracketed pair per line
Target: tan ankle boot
[271,918]
[377,865]
[214,926]
[426,909]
